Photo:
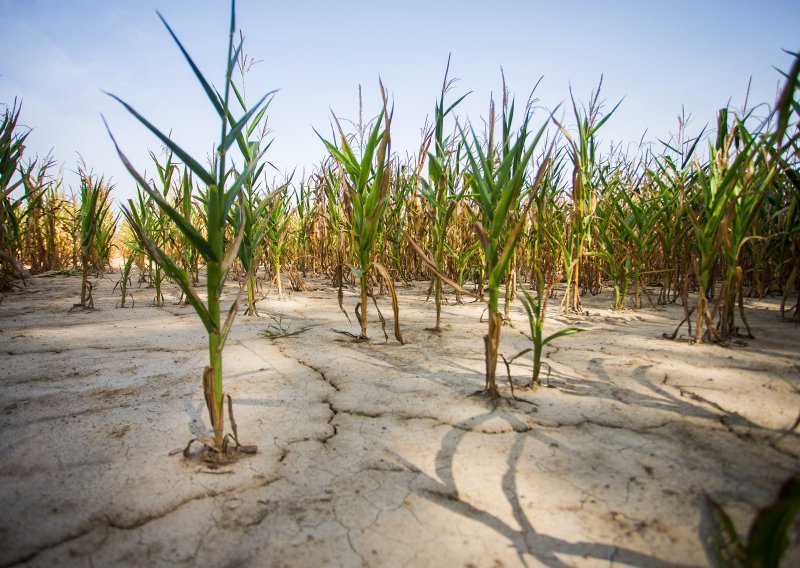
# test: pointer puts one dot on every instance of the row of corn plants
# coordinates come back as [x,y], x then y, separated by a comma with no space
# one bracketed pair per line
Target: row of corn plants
[543,209]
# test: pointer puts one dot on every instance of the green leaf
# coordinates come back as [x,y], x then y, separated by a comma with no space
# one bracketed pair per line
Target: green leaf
[561,333]
[237,128]
[257,119]
[452,106]
[177,274]
[206,86]
[238,95]
[231,194]
[201,172]
[726,546]
[605,118]
[183,224]
[769,533]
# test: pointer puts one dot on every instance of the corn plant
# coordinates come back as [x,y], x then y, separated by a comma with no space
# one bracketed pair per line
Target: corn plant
[613,250]
[625,221]
[125,279]
[12,146]
[547,224]
[536,309]
[462,257]
[35,183]
[720,188]
[746,208]
[788,157]
[94,213]
[221,190]
[441,190]
[251,210]
[365,182]
[582,151]
[304,211]
[334,236]
[276,233]
[185,204]
[671,176]
[155,226]
[498,183]
[768,537]
[401,213]
[56,245]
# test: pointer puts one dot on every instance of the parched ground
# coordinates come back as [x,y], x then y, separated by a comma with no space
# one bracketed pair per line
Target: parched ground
[374,454]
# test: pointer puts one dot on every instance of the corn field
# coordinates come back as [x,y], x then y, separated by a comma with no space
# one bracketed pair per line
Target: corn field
[706,219]
[525,212]
[530,202]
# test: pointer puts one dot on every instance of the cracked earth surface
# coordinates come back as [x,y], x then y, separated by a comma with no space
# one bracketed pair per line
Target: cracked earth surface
[374,454]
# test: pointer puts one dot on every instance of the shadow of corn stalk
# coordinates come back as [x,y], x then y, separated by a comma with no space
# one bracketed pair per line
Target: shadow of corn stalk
[525,539]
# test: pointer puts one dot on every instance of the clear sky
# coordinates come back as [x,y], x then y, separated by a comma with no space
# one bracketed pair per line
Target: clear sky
[58,55]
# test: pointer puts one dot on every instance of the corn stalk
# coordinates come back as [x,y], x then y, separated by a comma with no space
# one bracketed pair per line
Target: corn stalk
[498,185]
[222,187]
[365,182]
[441,189]
[12,146]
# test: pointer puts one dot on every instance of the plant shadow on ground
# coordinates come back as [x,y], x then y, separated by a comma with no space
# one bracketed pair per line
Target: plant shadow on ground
[639,388]
[526,540]
[655,397]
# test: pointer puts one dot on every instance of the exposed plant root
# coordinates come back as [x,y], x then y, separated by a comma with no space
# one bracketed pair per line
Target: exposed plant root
[228,452]
[687,318]
[510,381]
[86,304]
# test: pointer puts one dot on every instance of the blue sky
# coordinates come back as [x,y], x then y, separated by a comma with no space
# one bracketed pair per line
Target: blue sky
[58,56]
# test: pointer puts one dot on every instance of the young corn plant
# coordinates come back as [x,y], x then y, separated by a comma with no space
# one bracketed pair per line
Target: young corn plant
[638,226]
[184,202]
[582,152]
[251,210]
[34,180]
[746,208]
[441,189]
[365,183]
[671,176]
[498,185]
[304,210]
[536,308]
[94,212]
[462,257]
[719,186]
[547,223]
[614,252]
[155,226]
[222,187]
[276,228]
[333,239]
[625,223]
[134,249]
[769,535]
[12,146]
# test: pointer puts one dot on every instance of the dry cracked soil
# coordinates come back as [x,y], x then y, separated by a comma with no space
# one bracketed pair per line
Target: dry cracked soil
[378,454]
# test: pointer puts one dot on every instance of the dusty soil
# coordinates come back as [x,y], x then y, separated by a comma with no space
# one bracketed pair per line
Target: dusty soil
[374,454]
